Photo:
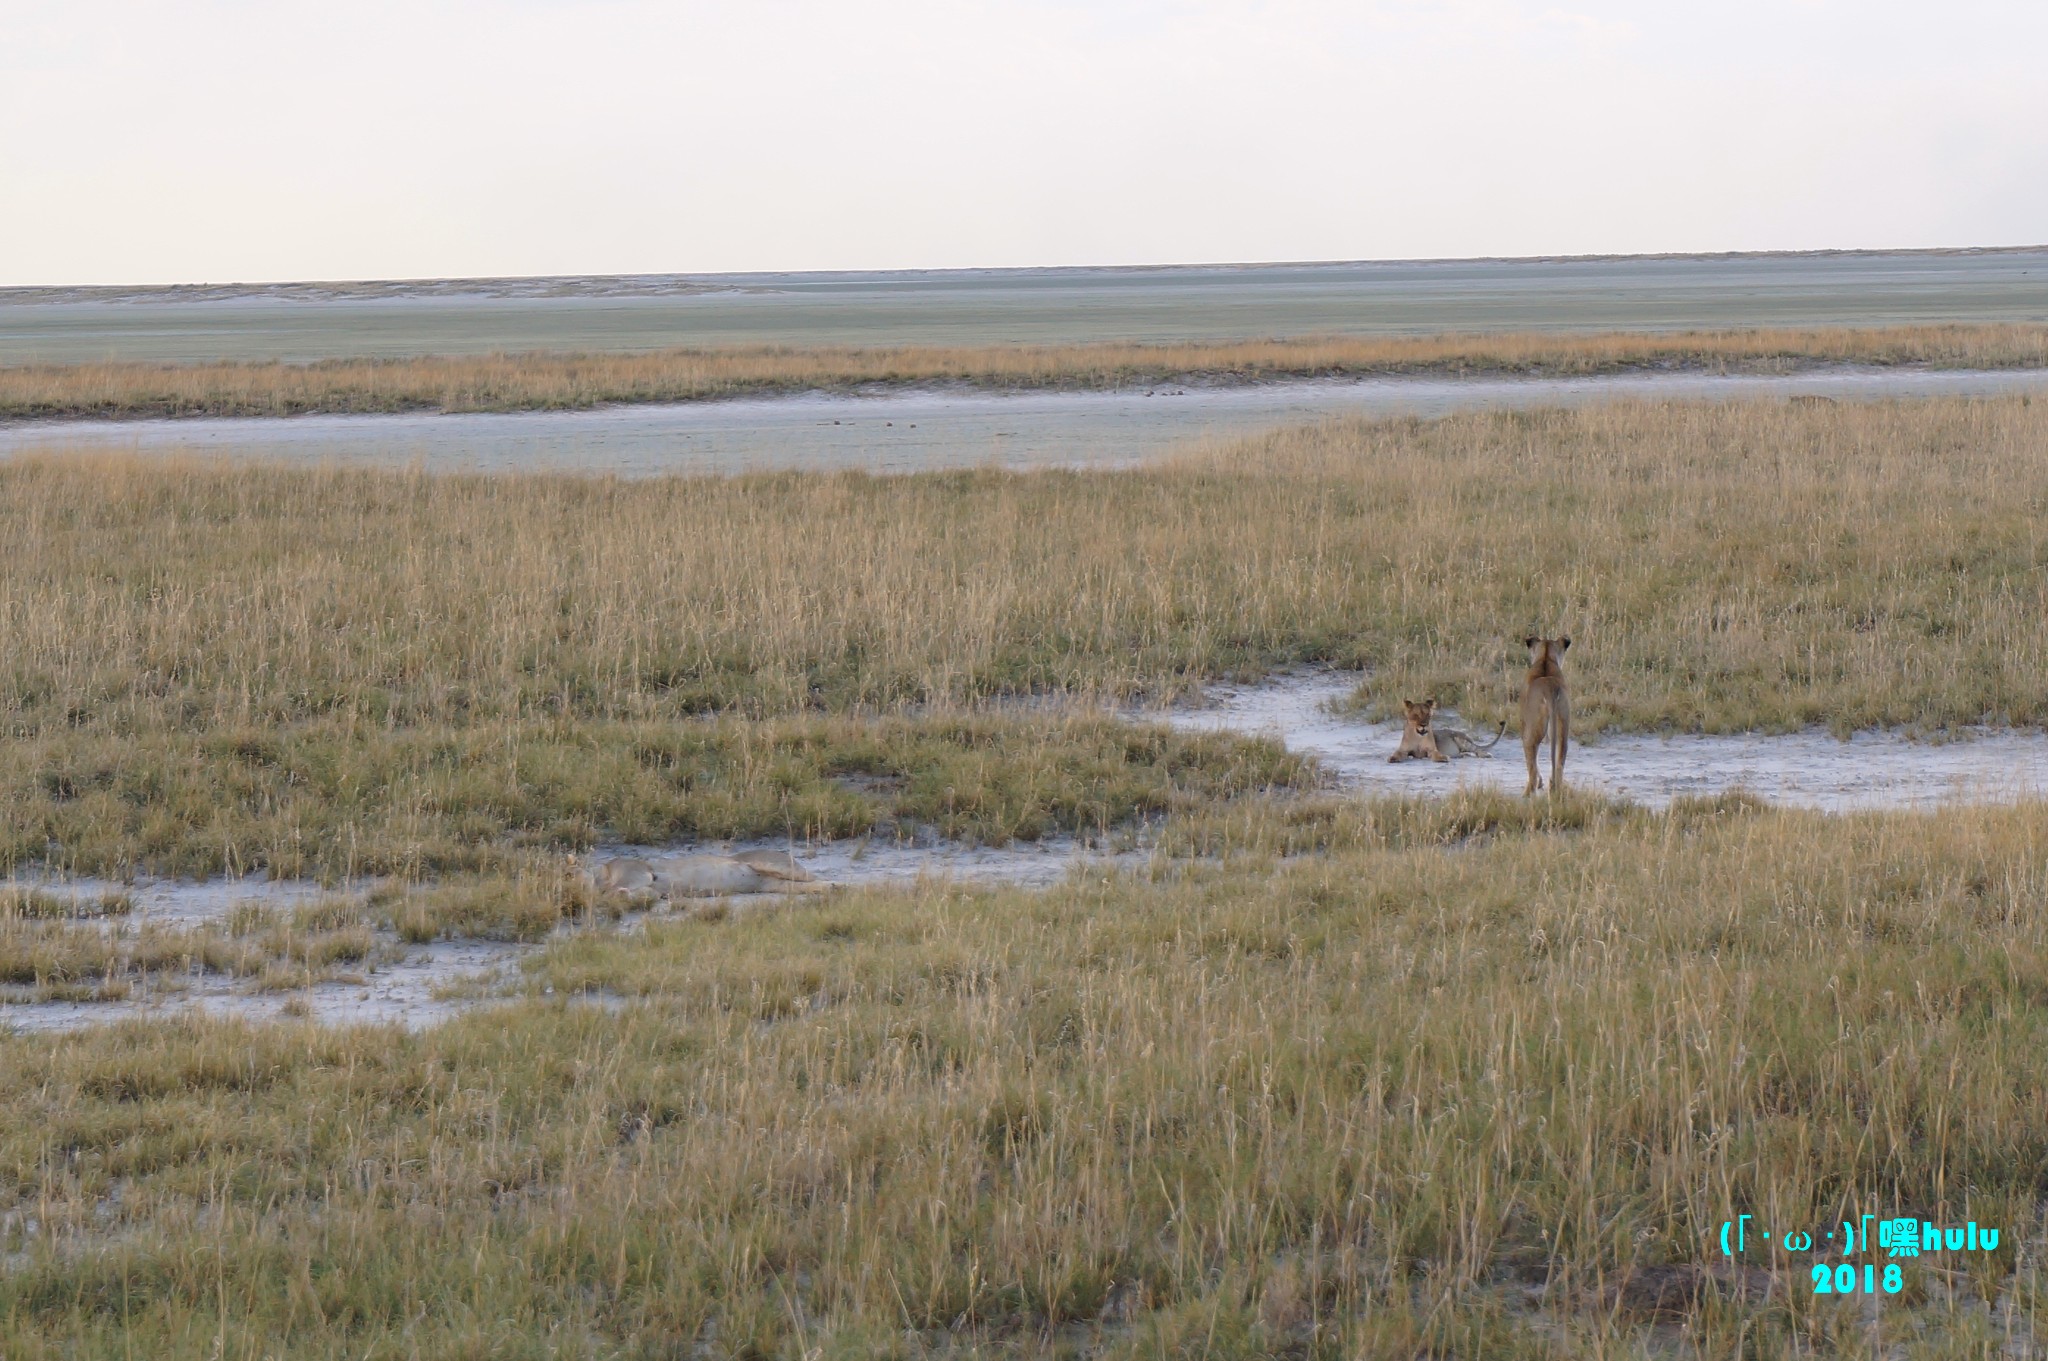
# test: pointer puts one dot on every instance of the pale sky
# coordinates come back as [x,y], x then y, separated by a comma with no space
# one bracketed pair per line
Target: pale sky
[216,141]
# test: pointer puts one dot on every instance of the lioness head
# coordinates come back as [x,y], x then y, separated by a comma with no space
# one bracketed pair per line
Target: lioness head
[1418,711]
[1542,649]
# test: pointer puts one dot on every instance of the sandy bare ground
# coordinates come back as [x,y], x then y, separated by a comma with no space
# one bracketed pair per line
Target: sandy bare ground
[1805,769]
[922,430]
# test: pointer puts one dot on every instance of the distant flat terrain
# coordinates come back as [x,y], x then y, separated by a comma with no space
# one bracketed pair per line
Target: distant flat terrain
[1041,306]
[922,430]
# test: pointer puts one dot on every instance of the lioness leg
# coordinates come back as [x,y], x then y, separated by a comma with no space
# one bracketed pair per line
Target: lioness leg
[1532,741]
[1561,741]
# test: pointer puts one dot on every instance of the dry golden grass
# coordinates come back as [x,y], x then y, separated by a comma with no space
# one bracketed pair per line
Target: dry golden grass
[217,666]
[50,955]
[1721,566]
[337,798]
[319,671]
[1440,1094]
[1448,1088]
[23,902]
[542,380]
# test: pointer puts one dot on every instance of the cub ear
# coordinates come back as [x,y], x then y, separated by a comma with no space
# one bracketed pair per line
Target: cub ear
[1564,644]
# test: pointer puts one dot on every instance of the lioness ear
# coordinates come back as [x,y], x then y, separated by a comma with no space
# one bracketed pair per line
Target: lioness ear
[1564,644]
[1530,641]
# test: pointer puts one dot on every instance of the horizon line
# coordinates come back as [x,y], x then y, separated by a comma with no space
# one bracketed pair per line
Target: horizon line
[684,275]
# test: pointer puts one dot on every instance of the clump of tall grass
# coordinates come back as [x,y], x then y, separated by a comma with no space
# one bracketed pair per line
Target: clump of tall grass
[50,958]
[1436,1093]
[28,902]
[544,381]
[338,797]
[506,907]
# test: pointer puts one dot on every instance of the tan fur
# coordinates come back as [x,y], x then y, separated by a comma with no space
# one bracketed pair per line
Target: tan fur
[644,881]
[1546,708]
[776,865]
[710,876]
[1458,742]
[633,878]
[1417,741]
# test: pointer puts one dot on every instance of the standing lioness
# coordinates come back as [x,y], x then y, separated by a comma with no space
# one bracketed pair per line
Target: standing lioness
[1545,706]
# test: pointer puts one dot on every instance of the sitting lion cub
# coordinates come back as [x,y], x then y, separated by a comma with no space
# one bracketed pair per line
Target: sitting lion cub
[1419,739]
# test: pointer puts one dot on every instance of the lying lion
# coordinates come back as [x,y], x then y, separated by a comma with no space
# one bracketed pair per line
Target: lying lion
[701,876]
[707,876]
[630,877]
[1422,739]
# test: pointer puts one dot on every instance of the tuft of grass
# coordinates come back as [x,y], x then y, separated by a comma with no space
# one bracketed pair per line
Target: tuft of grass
[1443,1091]
[1272,829]
[23,902]
[545,381]
[49,960]
[52,958]
[524,907]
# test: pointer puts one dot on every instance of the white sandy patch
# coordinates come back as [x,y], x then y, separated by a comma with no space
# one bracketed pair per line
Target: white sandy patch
[1810,769]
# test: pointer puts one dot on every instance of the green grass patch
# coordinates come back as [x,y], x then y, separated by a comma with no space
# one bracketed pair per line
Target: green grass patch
[331,800]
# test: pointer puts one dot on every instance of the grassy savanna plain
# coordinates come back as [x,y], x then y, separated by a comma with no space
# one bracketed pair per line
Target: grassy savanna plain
[551,381]
[1481,1080]
[1464,1076]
